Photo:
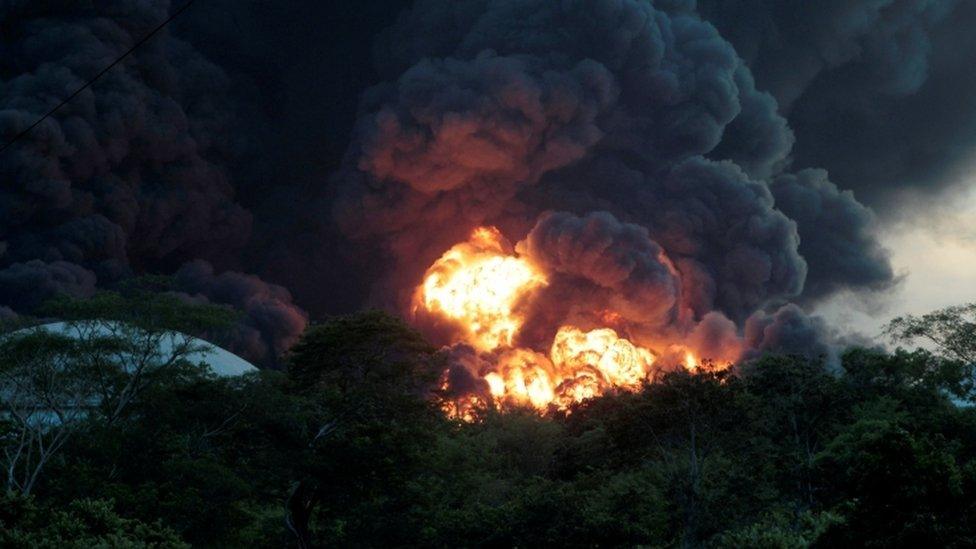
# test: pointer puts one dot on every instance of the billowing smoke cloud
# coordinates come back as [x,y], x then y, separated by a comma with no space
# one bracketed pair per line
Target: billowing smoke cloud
[789,330]
[497,111]
[489,122]
[271,323]
[758,140]
[789,44]
[876,91]
[300,90]
[128,177]
[677,84]
[837,234]
[24,286]
[716,338]
[484,112]
[734,249]
[621,258]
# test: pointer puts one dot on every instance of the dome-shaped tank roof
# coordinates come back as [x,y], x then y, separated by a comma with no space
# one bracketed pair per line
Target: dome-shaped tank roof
[220,361]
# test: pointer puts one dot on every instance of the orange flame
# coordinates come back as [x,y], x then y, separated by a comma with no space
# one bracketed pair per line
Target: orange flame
[477,284]
[618,361]
[523,378]
[465,408]
[580,365]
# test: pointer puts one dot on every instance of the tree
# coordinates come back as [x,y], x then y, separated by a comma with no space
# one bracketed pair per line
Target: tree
[127,340]
[906,374]
[952,333]
[371,350]
[695,430]
[779,530]
[81,524]
[797,404]
[895,487]
[45,392]
[952,330]
[212,457]
[104,354]
[369,379]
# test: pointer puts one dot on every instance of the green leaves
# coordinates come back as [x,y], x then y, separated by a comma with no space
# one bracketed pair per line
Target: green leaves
[81,524]
[952,330]
[895,486]
[778,453]
[950,333]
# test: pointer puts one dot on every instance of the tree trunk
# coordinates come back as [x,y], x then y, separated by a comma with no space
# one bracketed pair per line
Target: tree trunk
[298,513]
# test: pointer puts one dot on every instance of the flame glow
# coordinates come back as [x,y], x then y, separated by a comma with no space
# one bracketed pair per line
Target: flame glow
[523,378]
[477,285]
[617,361]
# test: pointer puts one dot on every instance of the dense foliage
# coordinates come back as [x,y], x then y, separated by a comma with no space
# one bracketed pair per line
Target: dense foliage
[349,447]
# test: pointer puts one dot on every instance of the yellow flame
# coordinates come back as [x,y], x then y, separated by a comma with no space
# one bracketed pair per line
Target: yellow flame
[523,378]
[477,283]
[581,365]
[620,362]
[465,408]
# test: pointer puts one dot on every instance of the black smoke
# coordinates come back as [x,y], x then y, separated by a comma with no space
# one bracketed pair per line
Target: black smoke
[133,175]
[615,258]
[837,235]
[271,322]
[497,111]
[338,148]
[24,286]
[877,92]
[789,330]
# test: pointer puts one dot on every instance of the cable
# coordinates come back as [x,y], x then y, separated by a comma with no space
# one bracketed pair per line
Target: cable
[97,76]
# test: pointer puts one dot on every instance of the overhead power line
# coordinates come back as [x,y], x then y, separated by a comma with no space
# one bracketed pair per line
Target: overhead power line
[87,84]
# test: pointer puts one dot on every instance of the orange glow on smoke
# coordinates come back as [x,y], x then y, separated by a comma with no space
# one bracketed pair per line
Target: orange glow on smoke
[477,283]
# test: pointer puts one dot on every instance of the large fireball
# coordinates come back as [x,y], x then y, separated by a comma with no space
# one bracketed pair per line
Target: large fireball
[477,284]
[482,287]
[617,361]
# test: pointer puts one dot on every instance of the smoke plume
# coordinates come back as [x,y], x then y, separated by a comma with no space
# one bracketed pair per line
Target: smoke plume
[650,158]
[876,91]
[131,175]
[271,322]
[643,126]
[618,258]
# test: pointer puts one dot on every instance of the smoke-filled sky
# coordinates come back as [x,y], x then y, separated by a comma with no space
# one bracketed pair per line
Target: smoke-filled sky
[699,167]
[934,250]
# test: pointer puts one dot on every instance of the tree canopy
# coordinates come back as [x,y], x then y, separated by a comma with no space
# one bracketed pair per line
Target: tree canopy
[349,447]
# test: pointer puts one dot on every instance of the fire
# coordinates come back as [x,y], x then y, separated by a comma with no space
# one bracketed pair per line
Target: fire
[617,361]
[523,378]
[580,365]
[466,408]
[477,284]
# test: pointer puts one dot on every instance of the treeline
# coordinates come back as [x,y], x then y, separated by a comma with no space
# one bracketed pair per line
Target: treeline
[348,448]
